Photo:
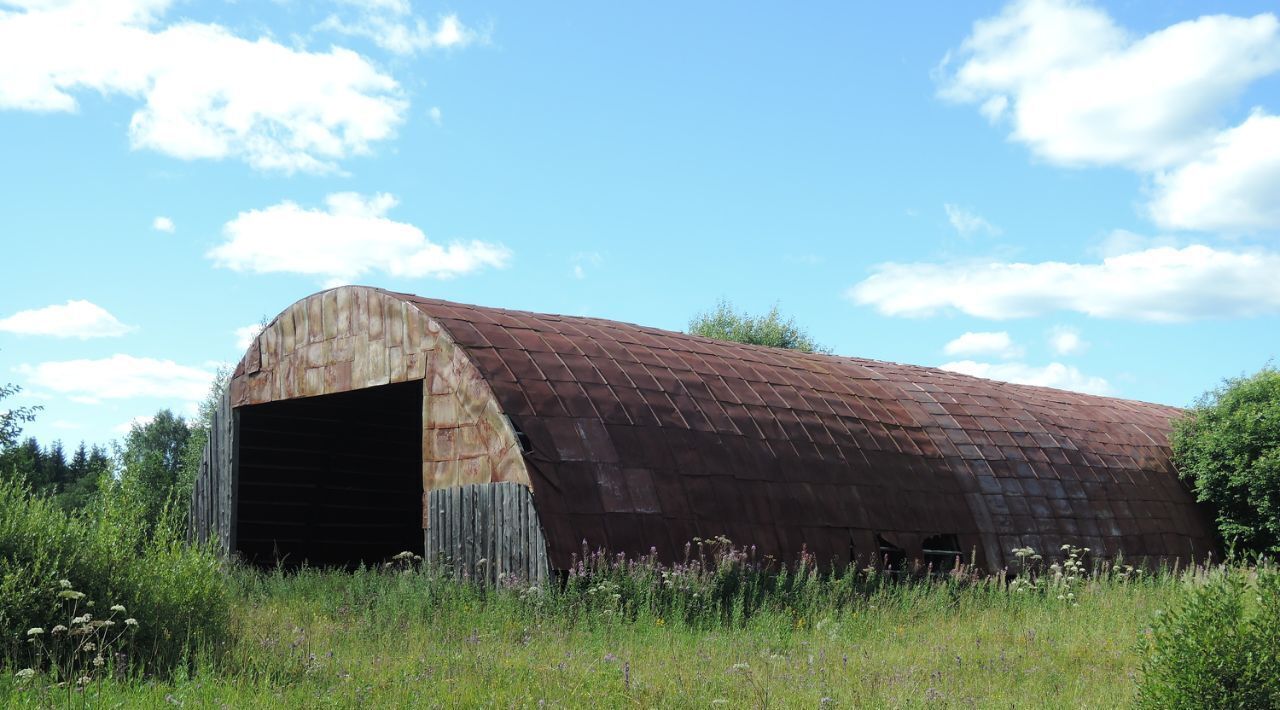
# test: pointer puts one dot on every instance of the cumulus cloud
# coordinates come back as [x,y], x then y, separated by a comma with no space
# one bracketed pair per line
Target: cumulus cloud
[118,377]
[245,335]
[351,236]
[1078,89]
[73,319]
[204,91]
[996,344]
[163,224]
[393,27]
[1160,284]
[436,115]
[1065,340]
[1055,374]
[1231,186]
[967,222]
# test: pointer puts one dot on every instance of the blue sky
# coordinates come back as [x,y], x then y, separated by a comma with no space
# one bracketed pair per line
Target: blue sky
[1062,193]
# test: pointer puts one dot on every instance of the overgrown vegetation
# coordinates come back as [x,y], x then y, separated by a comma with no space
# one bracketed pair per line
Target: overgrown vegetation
[1229,448]
[107,557]
[723,628]
[1220,649]
[725,323]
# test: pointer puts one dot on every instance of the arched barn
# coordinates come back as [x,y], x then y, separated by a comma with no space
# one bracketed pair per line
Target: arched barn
[361,423]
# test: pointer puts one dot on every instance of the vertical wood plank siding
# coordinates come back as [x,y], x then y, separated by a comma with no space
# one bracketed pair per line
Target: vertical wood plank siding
[212,517]
[487,532]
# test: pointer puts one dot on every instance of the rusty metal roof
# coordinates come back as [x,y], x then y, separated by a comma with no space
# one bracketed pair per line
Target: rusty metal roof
[644,438]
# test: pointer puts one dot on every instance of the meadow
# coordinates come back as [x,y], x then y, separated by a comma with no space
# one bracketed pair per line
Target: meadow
[720,630]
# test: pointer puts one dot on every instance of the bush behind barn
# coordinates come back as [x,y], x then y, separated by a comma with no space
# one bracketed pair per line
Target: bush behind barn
[178,593]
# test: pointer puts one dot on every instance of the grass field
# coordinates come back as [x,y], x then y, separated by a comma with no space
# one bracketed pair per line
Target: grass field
[404,638]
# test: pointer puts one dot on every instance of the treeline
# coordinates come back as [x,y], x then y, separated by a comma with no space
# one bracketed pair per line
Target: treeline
[72,482]
[154,466]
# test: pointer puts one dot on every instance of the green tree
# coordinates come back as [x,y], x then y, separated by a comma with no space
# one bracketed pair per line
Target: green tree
[151,463]
[12,419]
[1228,447]
[725,323]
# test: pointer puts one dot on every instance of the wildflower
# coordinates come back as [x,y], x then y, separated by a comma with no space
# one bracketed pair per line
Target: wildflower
[661,622]
[82,619]
[25,674]
[739,667]
[70,594]
[58,629]
[131,622]
[98,661]
[118,607]
[35,631]
[90,647]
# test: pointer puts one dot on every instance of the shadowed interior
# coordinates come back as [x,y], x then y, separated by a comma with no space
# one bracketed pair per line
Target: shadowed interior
[333,480]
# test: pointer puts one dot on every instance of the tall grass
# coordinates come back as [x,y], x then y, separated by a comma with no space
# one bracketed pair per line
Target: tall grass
[720,628]
[53,562]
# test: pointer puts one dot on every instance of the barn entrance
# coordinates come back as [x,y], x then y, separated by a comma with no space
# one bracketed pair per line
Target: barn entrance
[333,480]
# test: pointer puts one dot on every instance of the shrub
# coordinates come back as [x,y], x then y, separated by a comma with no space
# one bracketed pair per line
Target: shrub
[178,593]
[725,323]
[1229,447]
[1221,649]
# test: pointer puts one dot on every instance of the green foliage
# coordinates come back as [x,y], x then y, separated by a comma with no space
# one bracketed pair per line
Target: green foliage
[151,465]
[1229,447]
[1215,651]
[179,593]
[12,419]
[72,484]
[771,329]
[414,637]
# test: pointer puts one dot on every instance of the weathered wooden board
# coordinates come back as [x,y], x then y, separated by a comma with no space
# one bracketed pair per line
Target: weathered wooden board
[212,516]
[488,532]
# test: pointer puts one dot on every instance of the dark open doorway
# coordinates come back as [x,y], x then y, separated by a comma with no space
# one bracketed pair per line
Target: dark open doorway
[334,480]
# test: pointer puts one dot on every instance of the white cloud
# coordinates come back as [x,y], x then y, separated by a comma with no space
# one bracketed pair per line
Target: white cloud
[1055,374]
[73,319]
[1122,241]
[205,92]
[1078,89]
[245,335]
[584,260]
[436,115]
[1066,340]
[391,26]
[126,427]
[163,224]
[64,424]
[997,344]
[1160,284]
[348,238]
[1232,186]
[119,377]
[968,223]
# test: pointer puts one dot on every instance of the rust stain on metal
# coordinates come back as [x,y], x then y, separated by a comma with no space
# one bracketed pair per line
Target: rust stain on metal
[639,438]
